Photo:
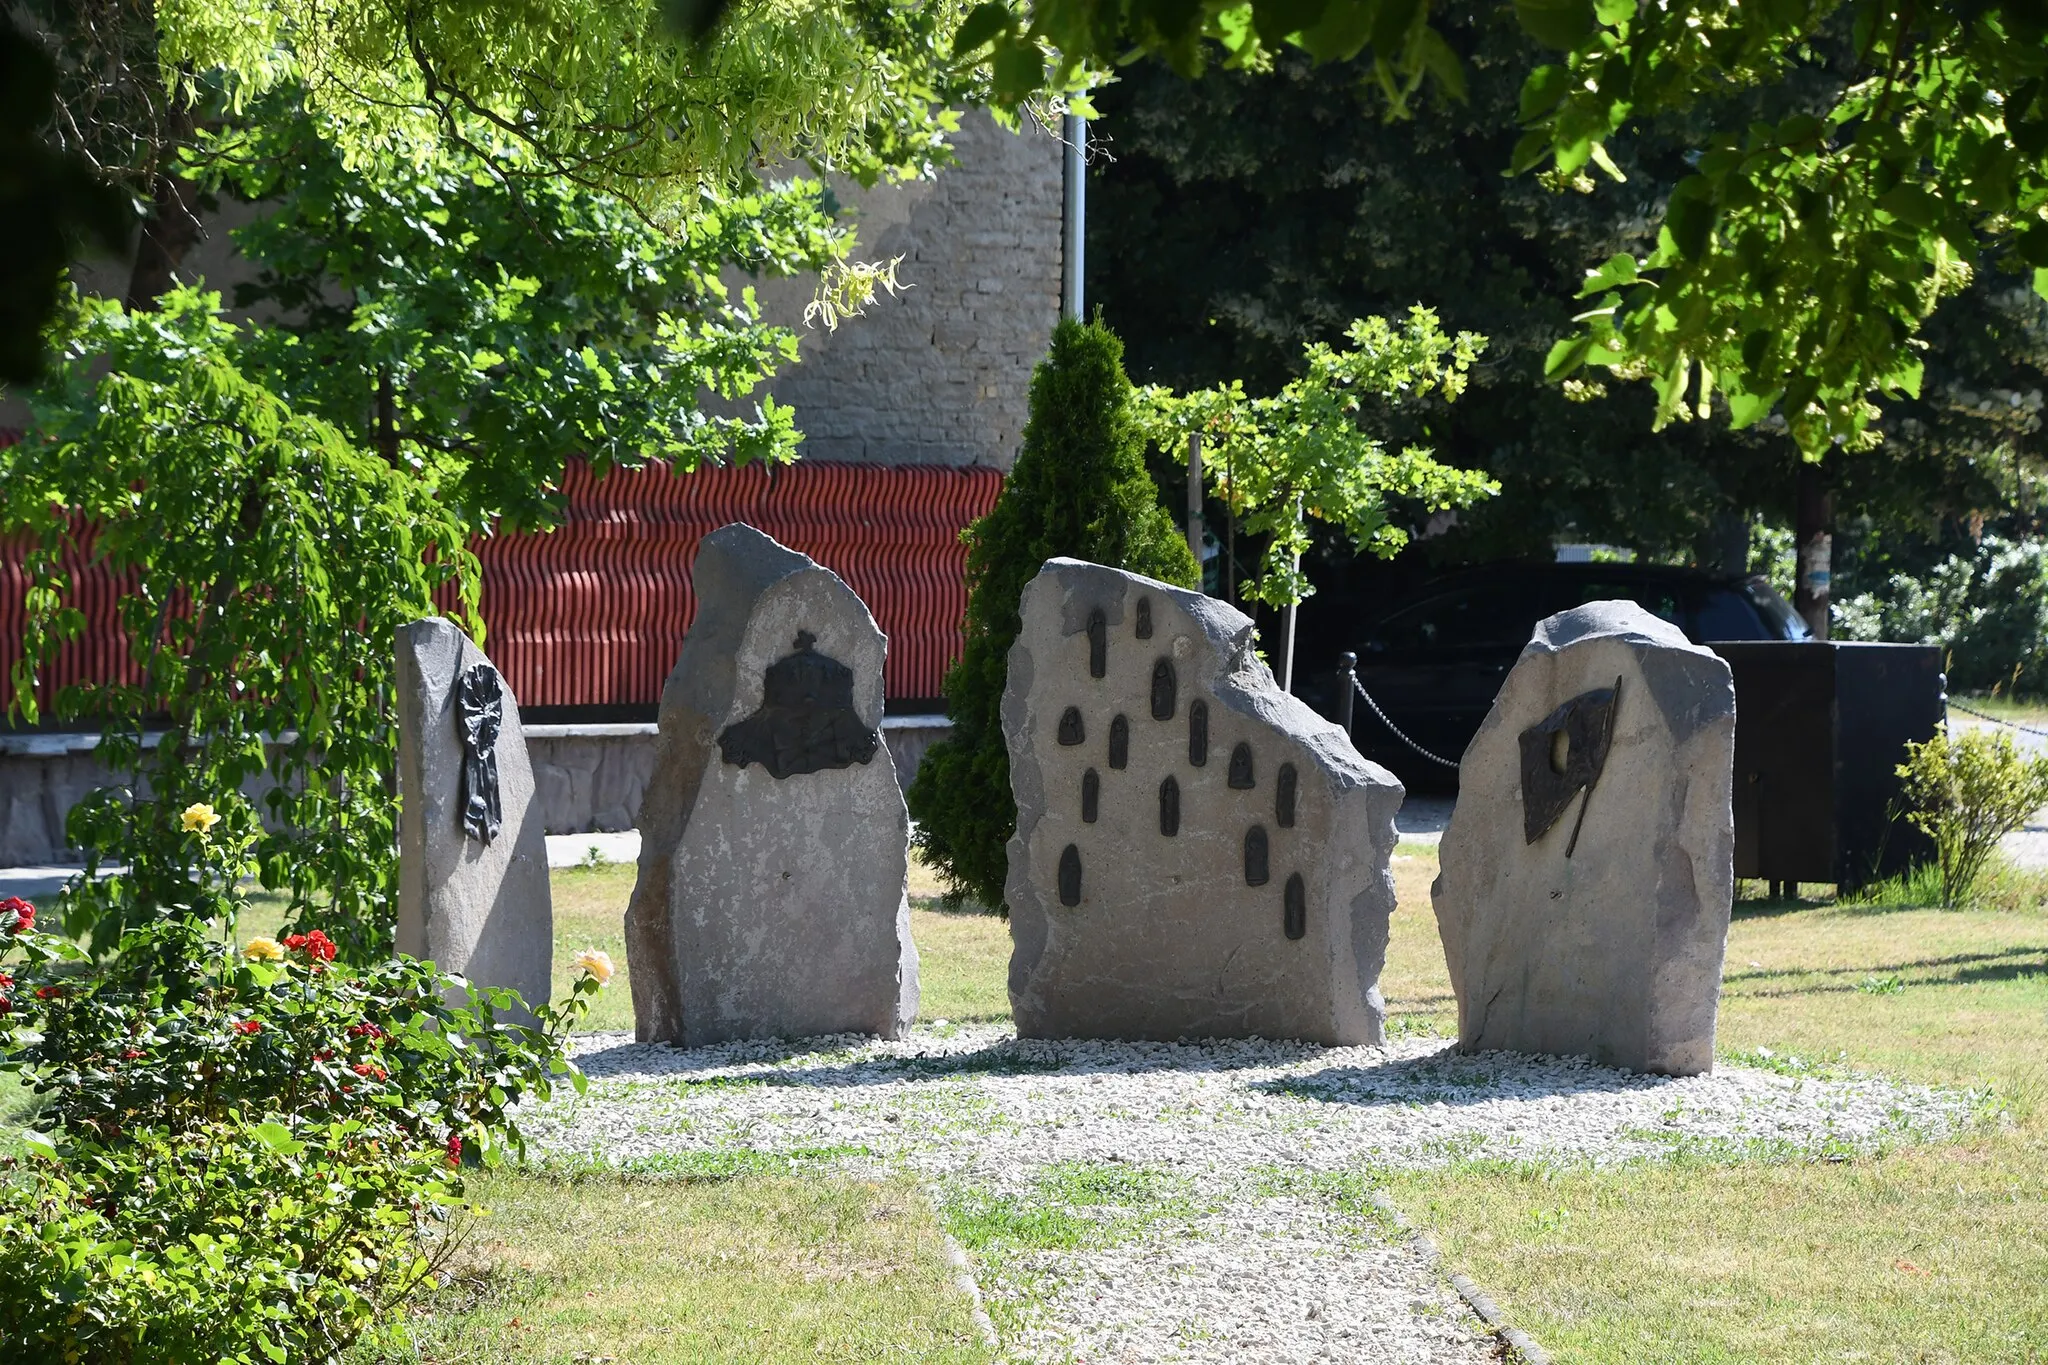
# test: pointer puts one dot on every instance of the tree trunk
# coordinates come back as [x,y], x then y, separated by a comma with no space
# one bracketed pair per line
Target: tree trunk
[1723,546]
[172,228]
[1813,535]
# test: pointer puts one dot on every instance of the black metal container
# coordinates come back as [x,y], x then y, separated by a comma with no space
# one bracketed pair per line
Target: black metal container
[1820,729]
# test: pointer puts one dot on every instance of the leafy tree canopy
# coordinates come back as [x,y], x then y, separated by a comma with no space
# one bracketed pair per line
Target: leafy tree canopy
[1795,262]
[1245,215]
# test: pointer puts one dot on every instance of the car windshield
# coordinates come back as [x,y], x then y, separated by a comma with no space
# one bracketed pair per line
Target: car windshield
[1786,624]
[1724,614]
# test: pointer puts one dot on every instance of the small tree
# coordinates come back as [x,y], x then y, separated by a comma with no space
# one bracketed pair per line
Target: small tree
[1967,793]
[1307,451]
[1079,488]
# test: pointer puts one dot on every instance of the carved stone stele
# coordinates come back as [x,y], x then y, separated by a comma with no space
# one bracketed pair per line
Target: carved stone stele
[771,901]
[478,908]
[1185,908]
[1588,870]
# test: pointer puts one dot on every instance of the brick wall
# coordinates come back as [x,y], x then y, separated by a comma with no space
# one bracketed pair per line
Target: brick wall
[940,373]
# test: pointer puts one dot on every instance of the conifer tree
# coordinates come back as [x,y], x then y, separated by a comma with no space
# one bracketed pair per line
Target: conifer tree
[1079,488]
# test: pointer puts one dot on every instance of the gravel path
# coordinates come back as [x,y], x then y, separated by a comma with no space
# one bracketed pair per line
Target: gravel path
[1195,1201]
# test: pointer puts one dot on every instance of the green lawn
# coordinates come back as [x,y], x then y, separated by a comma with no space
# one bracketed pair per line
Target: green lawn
[1935,1253]
[1925,1254]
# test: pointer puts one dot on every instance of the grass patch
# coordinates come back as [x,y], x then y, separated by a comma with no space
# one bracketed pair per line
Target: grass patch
[1770,1252]
[755,1269]
[1072,1205]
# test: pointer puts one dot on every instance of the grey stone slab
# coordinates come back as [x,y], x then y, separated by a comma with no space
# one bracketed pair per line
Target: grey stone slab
[481,910]
[772,906]
[1613,952]
[1189,907]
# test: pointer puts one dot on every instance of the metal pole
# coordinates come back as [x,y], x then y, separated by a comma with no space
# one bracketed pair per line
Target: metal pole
[1347,687]
[1287,668]
[1195,499]
[1073,214]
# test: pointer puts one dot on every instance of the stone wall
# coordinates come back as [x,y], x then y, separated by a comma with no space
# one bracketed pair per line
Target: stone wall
[586,778]
[941,372]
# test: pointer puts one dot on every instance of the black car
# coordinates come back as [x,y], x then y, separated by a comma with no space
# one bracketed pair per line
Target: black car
[1435,663]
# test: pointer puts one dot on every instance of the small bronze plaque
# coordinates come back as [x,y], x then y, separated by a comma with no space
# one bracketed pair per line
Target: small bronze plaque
[1144,615]
[1563,755]
[1241,767]
[806,723]
[1257,868]
[1098,643]
[1169,807]
[1198,733]
[1070,876]
[1072,732]
[1163,690]
[1091,796]
[1294,907]
[1119,743]
[480,703]
[1283,796]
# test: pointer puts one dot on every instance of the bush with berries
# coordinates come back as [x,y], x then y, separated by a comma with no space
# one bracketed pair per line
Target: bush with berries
[242,1153]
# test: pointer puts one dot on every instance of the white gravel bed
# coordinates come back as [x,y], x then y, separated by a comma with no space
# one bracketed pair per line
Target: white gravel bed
[1247,1245]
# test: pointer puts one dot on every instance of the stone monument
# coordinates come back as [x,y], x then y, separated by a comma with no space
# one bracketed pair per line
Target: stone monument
[1198,854]
[772,900]
[473,860]
[1588,870]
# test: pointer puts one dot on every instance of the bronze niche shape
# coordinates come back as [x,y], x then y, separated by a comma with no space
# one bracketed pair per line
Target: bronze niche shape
[1098,643]
[1562,755]
[1198,733]
[1070,876]
[806,722]
[1241,767]
[1144,614]
[1284,790]
[1169,807]
[1163,690]
[1071,730]
[1120,743]
[1091,796]
[1294,907]
[480,701]
[1257,867]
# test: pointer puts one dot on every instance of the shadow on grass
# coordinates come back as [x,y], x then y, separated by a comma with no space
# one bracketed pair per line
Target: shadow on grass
[1972,968]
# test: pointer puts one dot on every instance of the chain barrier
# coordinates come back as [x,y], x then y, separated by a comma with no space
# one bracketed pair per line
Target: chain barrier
[1955,705]
[1395,728]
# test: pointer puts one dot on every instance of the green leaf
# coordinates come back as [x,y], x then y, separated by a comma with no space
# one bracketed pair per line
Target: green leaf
[38,1144]
[1911,204]
[1606,163]
[1689,216]
[981,25]
[1340,34]
[1616,270]
[1441,62]
[277,1138]
[1541,92]
[1529,151]
[2041,282]
[1614,13]
[1562,24]
[1566,356]
[1390,25]
[1017,67]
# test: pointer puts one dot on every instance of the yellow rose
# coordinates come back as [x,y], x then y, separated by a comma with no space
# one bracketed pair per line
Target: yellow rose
[264,950]
[595,963]
[199,817]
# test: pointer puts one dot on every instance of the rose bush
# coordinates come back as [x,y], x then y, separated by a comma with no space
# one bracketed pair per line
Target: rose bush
[243,1151]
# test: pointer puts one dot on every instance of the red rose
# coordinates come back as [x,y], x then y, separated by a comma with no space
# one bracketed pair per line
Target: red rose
[455,1149]
[131,1054]
[6,1005]
[323,1055]
[319,946]
[49,992]
[5,981]
[24,914]
[245,1027]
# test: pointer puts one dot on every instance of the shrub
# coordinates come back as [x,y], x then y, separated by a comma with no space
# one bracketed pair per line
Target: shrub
[1988,611]
[1967,793]
[1079,488]
[246,1148]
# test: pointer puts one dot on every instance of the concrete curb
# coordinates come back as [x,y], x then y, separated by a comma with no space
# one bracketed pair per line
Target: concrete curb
[1525,1350]
[963,1276]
